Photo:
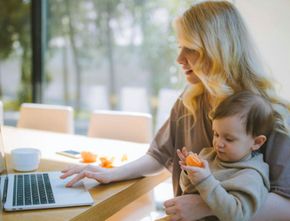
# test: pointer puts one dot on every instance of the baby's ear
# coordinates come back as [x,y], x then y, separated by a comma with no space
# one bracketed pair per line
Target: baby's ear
[258,142]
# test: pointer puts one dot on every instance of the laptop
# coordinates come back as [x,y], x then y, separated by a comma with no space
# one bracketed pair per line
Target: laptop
[37,190]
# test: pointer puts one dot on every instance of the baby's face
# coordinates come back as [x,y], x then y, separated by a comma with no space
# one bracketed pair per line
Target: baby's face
[230,141]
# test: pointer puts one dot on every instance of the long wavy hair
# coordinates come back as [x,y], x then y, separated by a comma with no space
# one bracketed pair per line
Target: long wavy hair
[227,61]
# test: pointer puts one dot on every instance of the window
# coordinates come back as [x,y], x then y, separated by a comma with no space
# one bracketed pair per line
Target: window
[98,50]
[15,56]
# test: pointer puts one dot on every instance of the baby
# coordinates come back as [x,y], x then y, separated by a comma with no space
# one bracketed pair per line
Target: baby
[233,179]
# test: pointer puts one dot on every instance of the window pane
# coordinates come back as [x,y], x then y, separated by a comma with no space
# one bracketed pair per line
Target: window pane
[99,50]
[15,56]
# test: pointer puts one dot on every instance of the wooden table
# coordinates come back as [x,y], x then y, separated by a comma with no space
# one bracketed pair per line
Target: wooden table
[108,199]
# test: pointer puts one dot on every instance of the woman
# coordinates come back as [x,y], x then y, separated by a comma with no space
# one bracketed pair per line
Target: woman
[218,59]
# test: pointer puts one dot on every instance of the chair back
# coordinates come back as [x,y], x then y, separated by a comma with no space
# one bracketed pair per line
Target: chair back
[56,118]
[121,125]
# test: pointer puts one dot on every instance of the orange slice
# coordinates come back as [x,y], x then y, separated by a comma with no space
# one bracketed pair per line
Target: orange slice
[193,160]
[124,157]
[88,157]
[106,163]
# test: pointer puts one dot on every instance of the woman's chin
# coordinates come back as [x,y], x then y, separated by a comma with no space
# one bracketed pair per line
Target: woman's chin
[192,80]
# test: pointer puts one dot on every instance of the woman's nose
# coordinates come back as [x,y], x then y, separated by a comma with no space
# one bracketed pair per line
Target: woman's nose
[180,58]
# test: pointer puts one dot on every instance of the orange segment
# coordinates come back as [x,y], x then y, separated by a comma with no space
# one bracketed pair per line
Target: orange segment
[88,157]
[106,163]
[124,157]
[193,160]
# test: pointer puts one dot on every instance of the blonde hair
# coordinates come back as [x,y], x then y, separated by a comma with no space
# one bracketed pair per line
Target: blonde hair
[227,61]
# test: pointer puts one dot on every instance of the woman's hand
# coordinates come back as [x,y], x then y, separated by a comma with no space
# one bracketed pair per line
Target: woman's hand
[143,166]
[188,207]
[100,174]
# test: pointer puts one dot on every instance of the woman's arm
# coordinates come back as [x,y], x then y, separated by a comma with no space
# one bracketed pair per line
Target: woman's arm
[276,207]
[146,165]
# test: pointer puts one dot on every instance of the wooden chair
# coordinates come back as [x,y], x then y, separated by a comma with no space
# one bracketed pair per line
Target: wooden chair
[121,125]
[56,118]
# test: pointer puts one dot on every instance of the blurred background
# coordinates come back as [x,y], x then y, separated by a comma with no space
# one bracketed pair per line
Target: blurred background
[113,54]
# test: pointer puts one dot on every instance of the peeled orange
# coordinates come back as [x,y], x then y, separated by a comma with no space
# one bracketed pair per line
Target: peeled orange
[193,160]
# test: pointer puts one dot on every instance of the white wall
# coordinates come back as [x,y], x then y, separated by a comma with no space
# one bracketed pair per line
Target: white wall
[268,21]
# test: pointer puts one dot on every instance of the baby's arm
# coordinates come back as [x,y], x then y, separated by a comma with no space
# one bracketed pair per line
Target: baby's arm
[234,199]
[238,202]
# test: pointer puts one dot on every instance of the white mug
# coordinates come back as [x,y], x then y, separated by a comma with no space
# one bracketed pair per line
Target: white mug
[25,159]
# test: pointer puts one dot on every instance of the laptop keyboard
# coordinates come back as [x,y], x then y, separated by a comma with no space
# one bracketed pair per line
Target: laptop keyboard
[32,189]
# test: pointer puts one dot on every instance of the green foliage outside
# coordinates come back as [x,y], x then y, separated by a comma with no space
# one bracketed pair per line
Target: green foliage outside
[89,28]
[15,39]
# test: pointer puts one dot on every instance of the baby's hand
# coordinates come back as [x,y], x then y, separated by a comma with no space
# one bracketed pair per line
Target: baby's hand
[197,174]
[182,154]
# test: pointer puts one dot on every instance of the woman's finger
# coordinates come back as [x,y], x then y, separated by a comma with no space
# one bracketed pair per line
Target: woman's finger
[174,217]
[170,210]
[80,176]
[78,167]
[169,203]
[67,169]
[72,171]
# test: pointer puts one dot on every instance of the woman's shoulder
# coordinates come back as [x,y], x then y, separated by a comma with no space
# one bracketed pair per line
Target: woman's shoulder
[277,155]
[278,138]
[277,148]
[178,108]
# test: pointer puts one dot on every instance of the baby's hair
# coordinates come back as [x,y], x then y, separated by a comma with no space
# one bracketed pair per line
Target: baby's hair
[256,113]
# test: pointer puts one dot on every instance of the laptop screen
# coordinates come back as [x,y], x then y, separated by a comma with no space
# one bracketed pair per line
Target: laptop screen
[2,155]
[3,170]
